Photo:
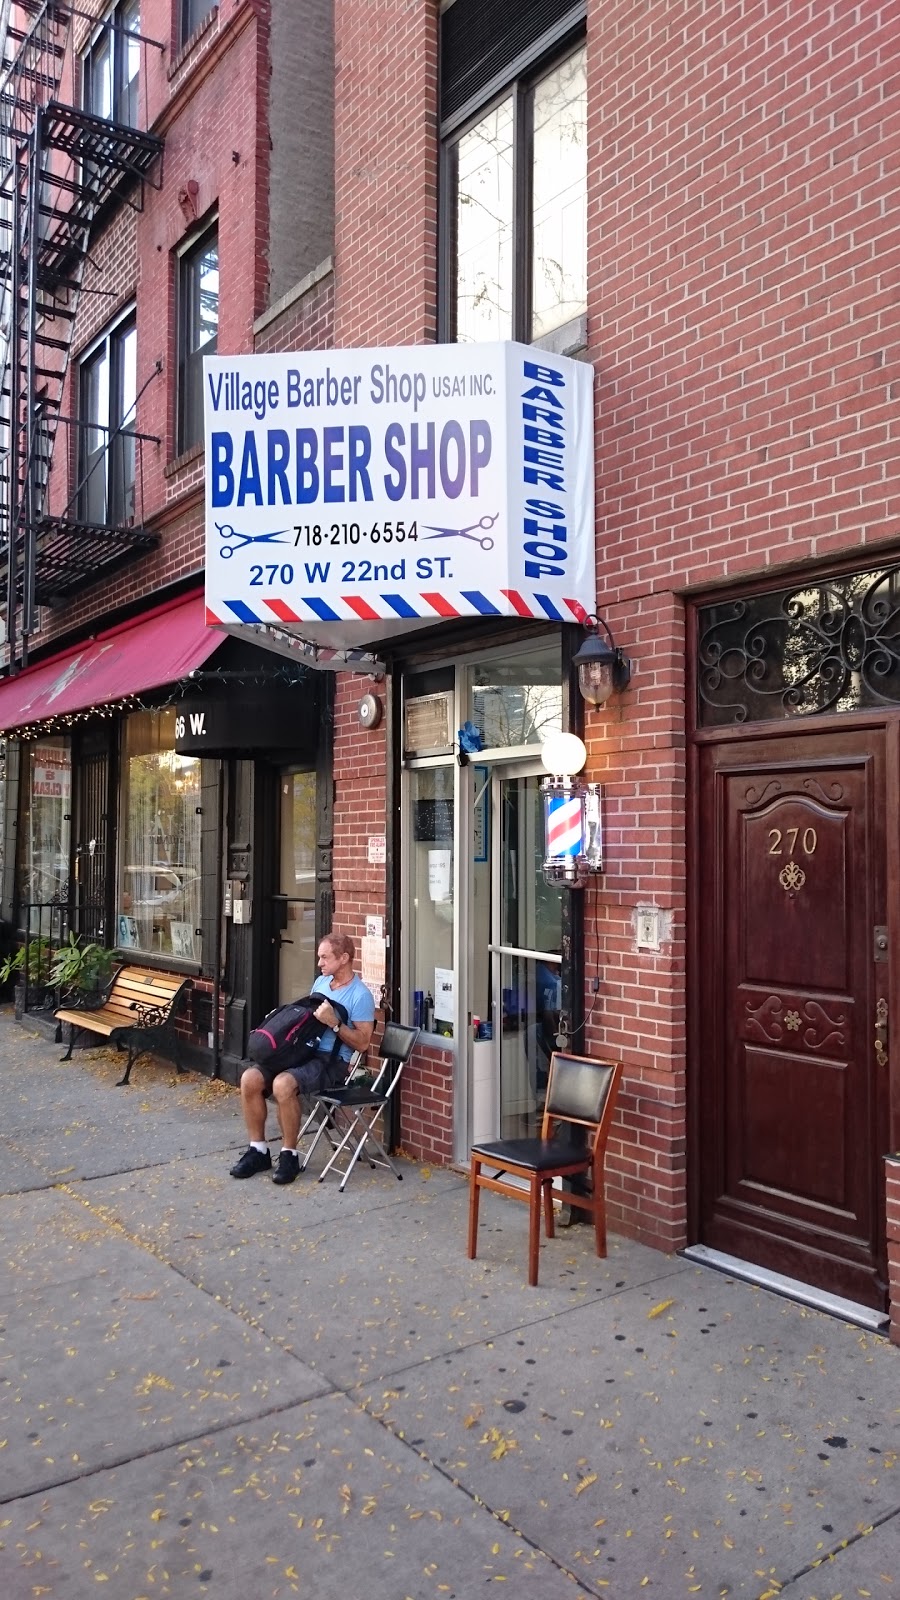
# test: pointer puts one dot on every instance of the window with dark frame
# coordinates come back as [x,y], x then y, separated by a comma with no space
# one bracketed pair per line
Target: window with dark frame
[192,14]
[110,67]
[198,326]
[515,254]
[107,396]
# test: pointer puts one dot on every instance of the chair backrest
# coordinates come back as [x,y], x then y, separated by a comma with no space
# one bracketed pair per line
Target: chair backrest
[395,1049]
[580,1091]
[397,1041]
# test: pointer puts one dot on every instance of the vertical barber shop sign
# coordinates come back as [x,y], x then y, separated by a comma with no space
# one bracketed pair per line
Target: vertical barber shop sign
[358,485]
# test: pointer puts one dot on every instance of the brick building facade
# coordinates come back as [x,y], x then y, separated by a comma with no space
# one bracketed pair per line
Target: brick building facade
[738,308]
[740,316]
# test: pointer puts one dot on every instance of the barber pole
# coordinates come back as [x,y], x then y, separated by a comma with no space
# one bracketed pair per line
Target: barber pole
[563,832]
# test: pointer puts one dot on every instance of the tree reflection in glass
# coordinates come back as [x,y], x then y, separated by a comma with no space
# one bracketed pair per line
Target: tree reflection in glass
[559,197]
[484,228]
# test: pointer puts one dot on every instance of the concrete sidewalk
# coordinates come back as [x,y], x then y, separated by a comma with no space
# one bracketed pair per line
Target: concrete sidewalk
[230,1389]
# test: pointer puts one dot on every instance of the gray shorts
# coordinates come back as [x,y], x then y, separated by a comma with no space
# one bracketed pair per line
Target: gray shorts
[315,1073]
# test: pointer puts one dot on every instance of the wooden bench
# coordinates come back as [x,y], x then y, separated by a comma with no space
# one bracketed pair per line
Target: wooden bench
[137,1013]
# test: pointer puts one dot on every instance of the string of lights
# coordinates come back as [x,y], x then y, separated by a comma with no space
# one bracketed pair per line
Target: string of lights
[291,674]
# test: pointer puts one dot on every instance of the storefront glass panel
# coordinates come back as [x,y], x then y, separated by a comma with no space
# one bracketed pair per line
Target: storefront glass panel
[45,825]
[517,699]
[431,907]
[158,907]
[296,898]
[527,956]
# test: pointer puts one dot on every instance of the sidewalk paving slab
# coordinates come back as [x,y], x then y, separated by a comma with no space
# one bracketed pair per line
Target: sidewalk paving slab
[217,1388]
[319,1502]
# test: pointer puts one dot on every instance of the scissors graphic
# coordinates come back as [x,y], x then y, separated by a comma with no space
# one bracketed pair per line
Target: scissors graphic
[466,533]
[227,532]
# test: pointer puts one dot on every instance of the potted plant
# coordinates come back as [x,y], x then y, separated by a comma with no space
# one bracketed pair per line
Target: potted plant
[81,969]
[29,962]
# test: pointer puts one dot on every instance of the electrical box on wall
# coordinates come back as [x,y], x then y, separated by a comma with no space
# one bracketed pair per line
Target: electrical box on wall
[648,927]
[240,911]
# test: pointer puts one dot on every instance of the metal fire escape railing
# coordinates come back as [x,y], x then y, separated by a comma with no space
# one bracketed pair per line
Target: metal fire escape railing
[61,170]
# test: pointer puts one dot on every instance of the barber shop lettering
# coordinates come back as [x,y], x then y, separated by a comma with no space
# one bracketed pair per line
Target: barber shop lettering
[544,458]
[475,460]
[335,464]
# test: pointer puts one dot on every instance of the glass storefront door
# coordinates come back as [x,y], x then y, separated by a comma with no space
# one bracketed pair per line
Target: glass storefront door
[512,1042]
[296,899]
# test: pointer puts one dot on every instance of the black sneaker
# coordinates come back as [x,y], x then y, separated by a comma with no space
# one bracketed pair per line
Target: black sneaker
[288,1167]
[251,1162]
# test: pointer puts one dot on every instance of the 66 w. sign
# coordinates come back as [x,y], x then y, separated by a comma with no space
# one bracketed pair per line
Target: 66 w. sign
[196,721]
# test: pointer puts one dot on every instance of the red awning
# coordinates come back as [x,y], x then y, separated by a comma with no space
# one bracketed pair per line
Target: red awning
[160,648]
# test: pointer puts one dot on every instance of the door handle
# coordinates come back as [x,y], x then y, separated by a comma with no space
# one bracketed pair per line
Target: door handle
[881,1032]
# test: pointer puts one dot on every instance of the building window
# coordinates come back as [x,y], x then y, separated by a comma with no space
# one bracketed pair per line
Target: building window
[107,393]
[198,326]
[193,13]
[158,906]
[817,647]
[46,787]
[517,180]
[110,74]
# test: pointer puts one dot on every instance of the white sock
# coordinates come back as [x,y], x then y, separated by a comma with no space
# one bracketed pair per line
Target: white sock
[285,1151]
[260,1145]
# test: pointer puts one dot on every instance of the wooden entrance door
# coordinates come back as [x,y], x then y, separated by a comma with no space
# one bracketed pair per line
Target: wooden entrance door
[793,1089]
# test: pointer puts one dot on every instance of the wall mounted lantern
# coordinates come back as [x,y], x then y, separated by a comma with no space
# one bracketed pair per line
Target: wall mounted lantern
[573,820]
[602,668]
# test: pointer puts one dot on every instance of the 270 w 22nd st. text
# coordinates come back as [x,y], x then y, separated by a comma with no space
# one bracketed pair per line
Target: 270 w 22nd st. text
[283,573]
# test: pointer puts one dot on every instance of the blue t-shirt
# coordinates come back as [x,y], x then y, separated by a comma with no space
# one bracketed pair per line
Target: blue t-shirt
[358,1003]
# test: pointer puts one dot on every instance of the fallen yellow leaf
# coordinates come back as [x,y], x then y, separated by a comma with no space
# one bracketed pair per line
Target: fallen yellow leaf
[658,1310]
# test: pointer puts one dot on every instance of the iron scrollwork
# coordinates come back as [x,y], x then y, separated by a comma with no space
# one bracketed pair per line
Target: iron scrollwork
[815,648]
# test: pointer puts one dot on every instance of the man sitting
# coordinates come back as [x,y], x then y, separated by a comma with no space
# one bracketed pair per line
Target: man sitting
[321,1070]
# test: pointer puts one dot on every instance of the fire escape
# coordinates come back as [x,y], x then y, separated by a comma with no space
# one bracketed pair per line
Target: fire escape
[62,171]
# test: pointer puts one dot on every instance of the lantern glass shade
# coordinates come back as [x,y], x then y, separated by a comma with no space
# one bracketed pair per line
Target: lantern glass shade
[596,680]
[601,669]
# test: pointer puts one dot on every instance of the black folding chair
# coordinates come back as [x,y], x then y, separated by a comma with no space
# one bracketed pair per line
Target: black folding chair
[347,1117]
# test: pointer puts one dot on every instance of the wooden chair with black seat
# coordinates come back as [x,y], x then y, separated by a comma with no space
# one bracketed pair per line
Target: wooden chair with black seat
[581,1094]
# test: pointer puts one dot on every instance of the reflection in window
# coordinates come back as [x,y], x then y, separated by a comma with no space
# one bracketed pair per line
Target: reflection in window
[107,399]
[192,14]
[159,870]
[430,929]
[198,333]
[559,197]
[518,700]
[484,222]
[45,835]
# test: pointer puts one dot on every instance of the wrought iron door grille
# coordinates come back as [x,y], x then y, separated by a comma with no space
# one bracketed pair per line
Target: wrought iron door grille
[828,646]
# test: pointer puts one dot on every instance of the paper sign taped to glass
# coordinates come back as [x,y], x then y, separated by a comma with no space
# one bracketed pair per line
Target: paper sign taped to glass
[355,494]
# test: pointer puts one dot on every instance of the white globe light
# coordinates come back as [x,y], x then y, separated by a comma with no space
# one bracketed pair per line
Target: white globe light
[563,754]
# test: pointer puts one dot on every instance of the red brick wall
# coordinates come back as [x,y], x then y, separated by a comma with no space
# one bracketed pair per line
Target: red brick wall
[386,172]
[360,809]
[742,325]
[426,1108]
[385,293]
[742,314]
[306,324]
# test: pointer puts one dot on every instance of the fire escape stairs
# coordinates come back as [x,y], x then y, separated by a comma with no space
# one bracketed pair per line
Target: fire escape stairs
[62,170]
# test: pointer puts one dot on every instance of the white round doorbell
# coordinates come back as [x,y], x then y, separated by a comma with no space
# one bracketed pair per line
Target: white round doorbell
[369,711]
